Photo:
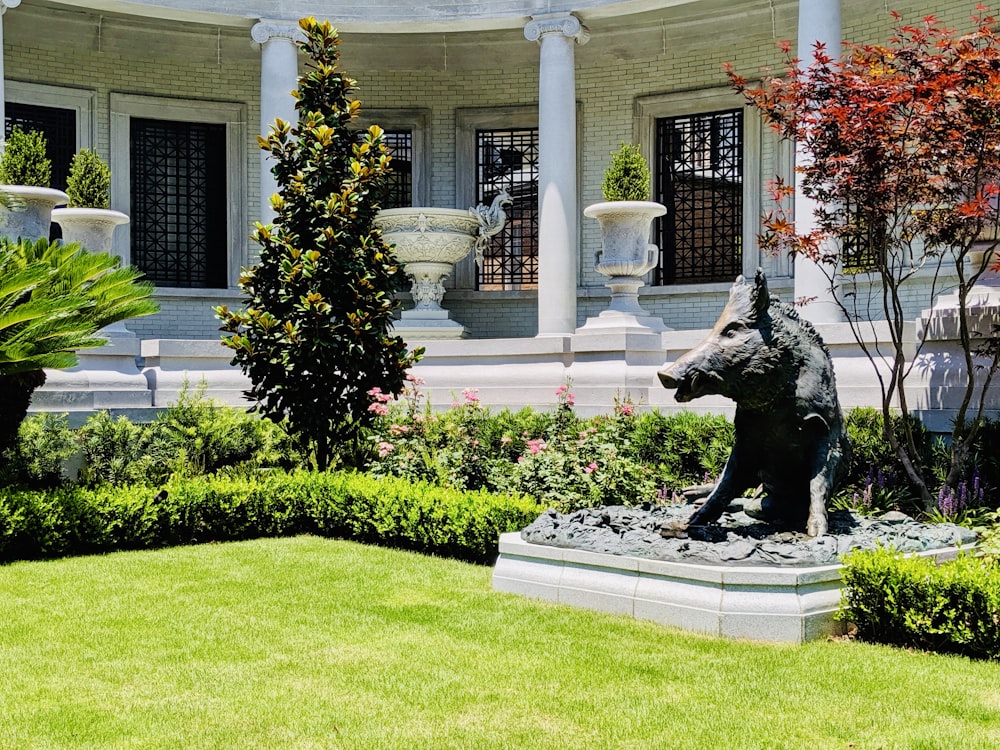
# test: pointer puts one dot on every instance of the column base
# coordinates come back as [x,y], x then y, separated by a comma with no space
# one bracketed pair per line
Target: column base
[619,321]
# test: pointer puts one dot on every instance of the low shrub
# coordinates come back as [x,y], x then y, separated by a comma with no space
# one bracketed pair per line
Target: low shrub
[391,512]
[118,452]
[914,602]
[199,436]
[689,448]
[37,458]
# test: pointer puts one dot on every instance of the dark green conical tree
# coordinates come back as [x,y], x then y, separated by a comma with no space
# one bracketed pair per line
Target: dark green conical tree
[315,334]
[55,299]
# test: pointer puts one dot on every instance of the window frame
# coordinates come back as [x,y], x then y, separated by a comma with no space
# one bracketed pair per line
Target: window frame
[469,120]
[418,122]
[648,109]
[81,101]
[233,116]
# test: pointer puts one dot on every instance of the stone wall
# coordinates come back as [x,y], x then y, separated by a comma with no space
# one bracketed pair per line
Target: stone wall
[623,64]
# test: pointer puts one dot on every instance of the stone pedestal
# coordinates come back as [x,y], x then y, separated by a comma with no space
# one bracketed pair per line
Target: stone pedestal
[781,604]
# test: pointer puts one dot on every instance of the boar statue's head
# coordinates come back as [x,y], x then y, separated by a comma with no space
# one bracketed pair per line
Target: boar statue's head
[736,356]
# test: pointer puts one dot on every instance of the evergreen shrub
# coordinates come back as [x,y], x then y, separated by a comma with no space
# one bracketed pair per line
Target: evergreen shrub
[89,181]
[391,512]
[37,457]
[627,176]
[914,602]
[23,161]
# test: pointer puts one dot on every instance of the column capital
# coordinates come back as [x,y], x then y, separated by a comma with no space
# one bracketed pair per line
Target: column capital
[556,23]
[267,29]
[4,4]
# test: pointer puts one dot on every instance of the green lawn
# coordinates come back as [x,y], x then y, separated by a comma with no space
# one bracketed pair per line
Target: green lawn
[313,643]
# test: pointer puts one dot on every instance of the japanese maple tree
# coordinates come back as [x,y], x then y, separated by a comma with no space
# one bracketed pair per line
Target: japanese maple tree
[903,147]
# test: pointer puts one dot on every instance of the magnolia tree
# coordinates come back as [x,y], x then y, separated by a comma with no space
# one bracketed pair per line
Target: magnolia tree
[314,338]
[903,146]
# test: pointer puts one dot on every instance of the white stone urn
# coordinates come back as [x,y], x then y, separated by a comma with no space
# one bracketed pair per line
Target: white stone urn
[30,215]
[93,228]
[429,242]
[626,256]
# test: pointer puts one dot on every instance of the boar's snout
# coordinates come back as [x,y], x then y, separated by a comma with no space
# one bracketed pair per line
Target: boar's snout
[690,380]
[667,378]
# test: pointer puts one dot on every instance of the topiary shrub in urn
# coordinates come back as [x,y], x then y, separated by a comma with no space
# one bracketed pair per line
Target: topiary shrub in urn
[88,218]
[25,174]
[626,253]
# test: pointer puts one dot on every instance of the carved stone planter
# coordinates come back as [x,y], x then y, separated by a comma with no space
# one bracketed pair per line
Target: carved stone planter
[429,242]
[93,228]
[31,216]
[626,256]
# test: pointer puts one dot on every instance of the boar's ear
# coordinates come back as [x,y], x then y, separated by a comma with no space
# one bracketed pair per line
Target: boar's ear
[760,298]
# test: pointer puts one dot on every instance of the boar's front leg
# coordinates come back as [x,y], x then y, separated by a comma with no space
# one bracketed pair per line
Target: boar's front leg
[824,474]
[734,480]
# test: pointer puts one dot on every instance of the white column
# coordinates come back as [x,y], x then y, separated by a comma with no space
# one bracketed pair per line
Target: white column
[819,21]
[4,4]
[279,76]
[557,202]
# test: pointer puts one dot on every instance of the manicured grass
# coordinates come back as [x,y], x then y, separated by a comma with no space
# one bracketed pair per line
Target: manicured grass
[315,643]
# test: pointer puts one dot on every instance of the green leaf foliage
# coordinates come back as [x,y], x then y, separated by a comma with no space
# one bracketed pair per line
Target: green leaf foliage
[314,335]
[89,181]
[44,442]
[627,176]
[55,299]
[23,161]
[390,512]
[914,602]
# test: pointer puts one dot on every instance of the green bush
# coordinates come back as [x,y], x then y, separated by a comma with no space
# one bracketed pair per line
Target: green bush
[89,181]
[118,452]
[689,448]
[627,176]
[913,602]
[392,512]
[44,442]
[23,161]
[196,435]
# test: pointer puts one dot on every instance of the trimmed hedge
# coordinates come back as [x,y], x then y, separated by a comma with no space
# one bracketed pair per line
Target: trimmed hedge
[914,602]
[390,512]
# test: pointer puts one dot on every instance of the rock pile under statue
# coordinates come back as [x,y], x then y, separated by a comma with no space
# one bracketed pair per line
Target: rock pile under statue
[739,539]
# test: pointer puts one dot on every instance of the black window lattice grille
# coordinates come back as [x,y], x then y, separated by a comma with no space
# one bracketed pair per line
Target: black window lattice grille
[178,206]
[507,159]
[699,178]
[58,125]
[859,254]
[399,187]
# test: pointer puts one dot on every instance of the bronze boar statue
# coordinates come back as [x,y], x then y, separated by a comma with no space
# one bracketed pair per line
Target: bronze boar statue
[790,434]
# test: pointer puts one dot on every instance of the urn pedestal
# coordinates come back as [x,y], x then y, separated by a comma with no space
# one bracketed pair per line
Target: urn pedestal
[428,243]
[626,256]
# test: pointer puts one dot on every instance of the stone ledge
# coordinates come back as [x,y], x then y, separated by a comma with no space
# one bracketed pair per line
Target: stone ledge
[790,605]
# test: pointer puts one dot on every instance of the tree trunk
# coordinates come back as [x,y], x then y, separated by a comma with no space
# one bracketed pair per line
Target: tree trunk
[16,390]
